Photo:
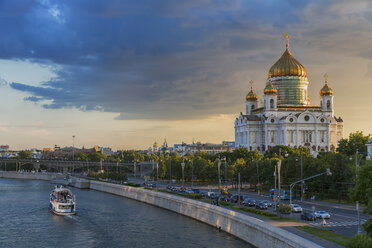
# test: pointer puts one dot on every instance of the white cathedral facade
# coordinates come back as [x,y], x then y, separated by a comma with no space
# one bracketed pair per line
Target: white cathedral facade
[286,117]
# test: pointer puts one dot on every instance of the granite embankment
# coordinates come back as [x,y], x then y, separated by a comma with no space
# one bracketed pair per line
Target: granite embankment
[252,230]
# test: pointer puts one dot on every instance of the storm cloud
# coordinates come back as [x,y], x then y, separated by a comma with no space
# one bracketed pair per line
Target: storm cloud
[162,59]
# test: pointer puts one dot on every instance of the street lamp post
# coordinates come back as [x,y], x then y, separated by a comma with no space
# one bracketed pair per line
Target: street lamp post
[183,172]
[73,147]
[357,202]
[302,183]
[219,174]
[192,172]
[157,171]
[258,178]
[328,172]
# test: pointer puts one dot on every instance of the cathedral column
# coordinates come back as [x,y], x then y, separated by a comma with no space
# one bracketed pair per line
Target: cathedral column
[297,136]
[266,137]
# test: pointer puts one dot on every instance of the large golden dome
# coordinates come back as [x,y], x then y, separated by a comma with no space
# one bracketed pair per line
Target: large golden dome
[287,65]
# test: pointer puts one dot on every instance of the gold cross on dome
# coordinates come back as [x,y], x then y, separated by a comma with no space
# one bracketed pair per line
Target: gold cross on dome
[326,77]
[251,82]
[286,37]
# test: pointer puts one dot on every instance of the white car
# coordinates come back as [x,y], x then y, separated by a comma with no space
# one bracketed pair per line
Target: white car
[296,208]
[322,214]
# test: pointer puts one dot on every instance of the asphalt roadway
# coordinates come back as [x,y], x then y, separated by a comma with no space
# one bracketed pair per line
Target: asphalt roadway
[343,220]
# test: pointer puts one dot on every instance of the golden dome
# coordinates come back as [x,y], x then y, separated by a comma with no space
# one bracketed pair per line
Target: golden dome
[270,89]
[251,96]
[287,65]
[326,90]
[156,144]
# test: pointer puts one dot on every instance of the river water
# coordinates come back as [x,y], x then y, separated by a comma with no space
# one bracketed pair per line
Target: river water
[102,220]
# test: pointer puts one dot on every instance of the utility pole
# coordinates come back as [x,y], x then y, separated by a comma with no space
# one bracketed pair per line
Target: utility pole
[219,174]
[258,178]
[357,202]
[73,147]
[302,182]
[239,188]
[192,172]
[183,172]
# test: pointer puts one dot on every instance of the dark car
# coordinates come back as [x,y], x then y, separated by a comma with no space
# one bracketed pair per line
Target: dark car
[268,203]
[224,198]
[204,194]
[235,198]
[261,205]
[308,216]
[196,191]
[249,202]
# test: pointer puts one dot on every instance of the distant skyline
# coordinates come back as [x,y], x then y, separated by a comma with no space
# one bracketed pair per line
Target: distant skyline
[125,74]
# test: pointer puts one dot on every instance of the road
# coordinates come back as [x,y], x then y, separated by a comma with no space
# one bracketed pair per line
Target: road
[343,219]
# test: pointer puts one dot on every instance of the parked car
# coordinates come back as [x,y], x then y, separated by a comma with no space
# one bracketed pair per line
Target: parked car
[174,189]
[322,214]
[196,191]
[224,198]
[204,194]
[261,205]
[308,216]
[235,198]
[189,191]
[268,203]
[296,208]
[249,202]
[211,195]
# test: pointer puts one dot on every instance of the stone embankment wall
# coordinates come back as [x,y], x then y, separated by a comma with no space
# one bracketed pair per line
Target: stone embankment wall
[252,230]
[26,175]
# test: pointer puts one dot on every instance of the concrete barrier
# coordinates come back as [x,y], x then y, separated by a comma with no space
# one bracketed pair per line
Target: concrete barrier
[249,229]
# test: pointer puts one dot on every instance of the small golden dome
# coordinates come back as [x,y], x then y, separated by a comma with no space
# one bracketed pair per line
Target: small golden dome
[156,144]
[326,90]
[287,65]
[270,89]
[251,96]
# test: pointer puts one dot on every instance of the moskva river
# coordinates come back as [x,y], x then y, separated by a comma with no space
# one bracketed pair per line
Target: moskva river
[102,220]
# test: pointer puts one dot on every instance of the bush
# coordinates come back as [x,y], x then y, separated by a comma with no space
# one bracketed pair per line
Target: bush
[133,184]
[194,196]
[284,209]
[368,227]
[360,241]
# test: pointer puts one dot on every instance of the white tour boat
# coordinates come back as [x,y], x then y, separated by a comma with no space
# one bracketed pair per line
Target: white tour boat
[62,201]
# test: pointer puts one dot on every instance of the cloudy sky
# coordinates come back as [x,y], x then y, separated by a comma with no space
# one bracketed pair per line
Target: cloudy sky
[125,73]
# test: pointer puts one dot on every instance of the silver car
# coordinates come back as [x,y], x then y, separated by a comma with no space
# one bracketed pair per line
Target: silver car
[296,208]
[322,214]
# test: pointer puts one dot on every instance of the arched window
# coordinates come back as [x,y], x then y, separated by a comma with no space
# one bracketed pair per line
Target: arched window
[252,107]
[271,103]
[328,104]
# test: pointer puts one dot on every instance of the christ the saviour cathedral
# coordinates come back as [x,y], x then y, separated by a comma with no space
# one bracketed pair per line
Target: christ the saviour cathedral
[286,117]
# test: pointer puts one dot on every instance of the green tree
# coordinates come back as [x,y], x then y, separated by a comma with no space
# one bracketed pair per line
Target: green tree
[356,141]
[96,156]
[362,192]
[25,154]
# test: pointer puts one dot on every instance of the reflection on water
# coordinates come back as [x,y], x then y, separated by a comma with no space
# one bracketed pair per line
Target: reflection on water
[102,220]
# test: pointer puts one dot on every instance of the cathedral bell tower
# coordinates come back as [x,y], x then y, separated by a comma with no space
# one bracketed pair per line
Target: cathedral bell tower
[250,101]
[326,94]
[270,96]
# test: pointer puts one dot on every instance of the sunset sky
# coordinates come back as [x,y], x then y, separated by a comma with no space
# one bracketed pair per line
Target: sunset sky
[124,73]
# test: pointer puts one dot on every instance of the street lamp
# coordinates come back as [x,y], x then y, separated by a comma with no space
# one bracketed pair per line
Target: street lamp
[278,166]
[328,172]
[258,178]
[219,174]
[183,172]
[302,184]
[224,159]
[73,146]
[357,202]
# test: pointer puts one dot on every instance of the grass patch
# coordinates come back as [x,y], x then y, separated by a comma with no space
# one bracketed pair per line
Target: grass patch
[327,235]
